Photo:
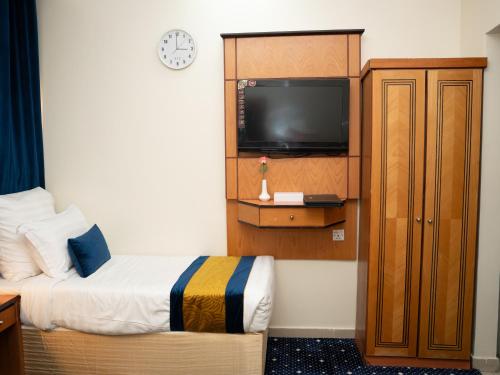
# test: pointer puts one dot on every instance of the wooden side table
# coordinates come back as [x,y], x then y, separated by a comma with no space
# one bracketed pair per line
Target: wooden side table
[11,341]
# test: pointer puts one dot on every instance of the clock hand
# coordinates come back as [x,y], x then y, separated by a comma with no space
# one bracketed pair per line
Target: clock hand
[176,42]
[182,44]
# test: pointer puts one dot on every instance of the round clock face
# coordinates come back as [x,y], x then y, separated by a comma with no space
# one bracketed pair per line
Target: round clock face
[177,49]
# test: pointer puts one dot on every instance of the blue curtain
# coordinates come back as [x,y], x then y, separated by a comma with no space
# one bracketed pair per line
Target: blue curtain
[21,148]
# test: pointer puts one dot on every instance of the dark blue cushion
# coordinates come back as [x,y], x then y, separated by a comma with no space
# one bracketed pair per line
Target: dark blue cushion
[89,251]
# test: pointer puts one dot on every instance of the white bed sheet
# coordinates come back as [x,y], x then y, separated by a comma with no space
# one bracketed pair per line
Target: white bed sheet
[130,295]
[15,287]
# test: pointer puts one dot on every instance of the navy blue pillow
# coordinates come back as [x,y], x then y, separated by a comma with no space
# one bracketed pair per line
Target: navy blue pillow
[89,251]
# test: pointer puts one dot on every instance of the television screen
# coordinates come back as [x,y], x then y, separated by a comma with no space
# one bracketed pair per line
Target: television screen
[293,115]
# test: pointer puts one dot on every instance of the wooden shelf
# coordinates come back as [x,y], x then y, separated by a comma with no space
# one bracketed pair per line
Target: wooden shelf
[297,215]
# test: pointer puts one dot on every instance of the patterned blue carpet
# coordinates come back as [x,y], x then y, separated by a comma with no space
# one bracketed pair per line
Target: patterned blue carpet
[299,356]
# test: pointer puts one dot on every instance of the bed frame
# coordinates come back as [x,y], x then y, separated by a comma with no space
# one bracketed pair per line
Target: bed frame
[65,351]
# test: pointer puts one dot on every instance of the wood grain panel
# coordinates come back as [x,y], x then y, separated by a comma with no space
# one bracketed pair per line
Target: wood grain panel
[230,58]
[292,56]
[309,175]
[230,119]
[334,215]
[364,215]
[452,181]
[354,55]
[8,318]
[245,239]
[353,184]
[425,63]
[417,362]
[231,178]
[249,214]
[397,173]
[354,117]
[11,345]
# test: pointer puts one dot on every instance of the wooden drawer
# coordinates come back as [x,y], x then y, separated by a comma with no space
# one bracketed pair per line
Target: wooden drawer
[292,217]
[7,318]
[268,215]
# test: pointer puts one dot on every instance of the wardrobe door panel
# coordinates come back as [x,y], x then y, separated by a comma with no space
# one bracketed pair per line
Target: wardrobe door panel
[451,200]
[397,190]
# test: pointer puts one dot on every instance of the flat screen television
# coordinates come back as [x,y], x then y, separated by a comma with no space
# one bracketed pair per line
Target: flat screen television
[294,116]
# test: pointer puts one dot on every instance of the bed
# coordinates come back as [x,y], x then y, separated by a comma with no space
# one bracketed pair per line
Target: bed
[117,322]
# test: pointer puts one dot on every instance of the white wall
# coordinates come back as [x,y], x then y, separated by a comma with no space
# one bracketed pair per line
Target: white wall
[140,148]
[478,18]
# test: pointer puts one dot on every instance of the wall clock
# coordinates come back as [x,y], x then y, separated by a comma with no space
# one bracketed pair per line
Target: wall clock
[177,49]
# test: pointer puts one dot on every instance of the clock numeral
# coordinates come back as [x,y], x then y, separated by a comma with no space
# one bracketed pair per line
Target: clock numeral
[164,56]
[183,61]
[189,56]
[176,33]
[191,48]
[177,63]
[169,37]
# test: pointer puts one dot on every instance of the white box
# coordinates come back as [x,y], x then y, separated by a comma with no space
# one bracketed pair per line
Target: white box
[288,197]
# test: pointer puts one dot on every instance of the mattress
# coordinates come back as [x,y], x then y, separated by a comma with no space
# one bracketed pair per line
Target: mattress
[128,295]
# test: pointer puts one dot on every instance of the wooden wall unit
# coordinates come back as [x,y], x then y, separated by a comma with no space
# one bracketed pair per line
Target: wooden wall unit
[419,201]
[311,54]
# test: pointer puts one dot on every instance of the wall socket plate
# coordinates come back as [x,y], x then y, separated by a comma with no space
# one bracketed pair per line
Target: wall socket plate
[338,234]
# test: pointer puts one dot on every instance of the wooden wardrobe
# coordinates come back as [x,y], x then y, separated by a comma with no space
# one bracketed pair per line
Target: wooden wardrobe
[421,137]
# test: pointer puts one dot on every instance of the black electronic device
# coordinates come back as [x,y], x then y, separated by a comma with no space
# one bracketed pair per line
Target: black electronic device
[294,115]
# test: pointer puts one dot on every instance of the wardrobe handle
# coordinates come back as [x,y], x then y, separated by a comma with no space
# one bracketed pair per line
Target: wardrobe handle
[291,217]
[419,219]
[429,221]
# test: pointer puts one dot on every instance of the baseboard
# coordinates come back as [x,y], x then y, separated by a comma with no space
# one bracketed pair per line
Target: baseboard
[342,333]
[486,364]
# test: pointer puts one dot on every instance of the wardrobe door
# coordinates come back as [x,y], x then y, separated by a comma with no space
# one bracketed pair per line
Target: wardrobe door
[451,202]
[396,208]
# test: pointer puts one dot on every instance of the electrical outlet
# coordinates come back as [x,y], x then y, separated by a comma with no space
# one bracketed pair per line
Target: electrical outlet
[338,234]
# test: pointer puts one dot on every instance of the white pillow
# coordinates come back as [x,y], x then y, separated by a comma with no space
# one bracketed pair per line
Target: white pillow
[49,240]
[15,209]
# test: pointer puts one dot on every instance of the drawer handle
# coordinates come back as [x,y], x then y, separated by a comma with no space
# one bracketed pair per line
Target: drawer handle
[1,322]
[292,217]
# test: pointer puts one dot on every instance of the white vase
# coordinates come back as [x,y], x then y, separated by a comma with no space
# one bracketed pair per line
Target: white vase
[264,195]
